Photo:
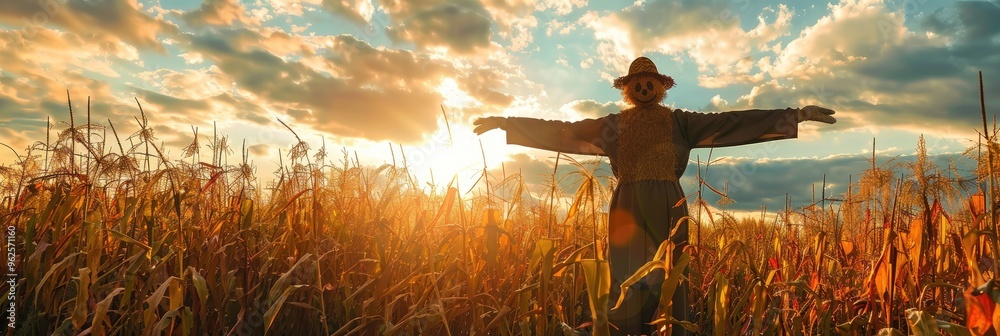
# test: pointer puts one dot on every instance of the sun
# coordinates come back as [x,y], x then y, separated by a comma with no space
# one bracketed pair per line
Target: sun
[453,152]
[454,96]
[456,155]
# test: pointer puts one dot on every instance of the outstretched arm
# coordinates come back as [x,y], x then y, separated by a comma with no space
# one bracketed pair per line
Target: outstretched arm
[582,137]
[734,128]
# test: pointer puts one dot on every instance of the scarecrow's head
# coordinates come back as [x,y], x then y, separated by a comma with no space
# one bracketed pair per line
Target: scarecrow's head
[643,85]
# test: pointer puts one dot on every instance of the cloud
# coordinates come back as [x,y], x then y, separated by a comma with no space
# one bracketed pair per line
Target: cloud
[533,170]
[716,104]
[971,20]
[290,7]
[590,108]
[188,83]
[40,66]
[20,120]
[196,95]
[560,27]
[520,35]
[61,52]
[347,87]
[899,64]
[169,104]
[224,106]
[220,13]
[537,173]
[896,77]
[108,21]
[359,11]
[260,150]
[562,7]
[334,105]
[751,181]
[36,70]
[23,111]
[971,28]
[242,108]
[755,182]
[853,31]
[708,31]
[335,84]
[463,27]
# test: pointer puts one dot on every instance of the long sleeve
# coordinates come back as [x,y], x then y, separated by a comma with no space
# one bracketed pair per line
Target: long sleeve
[702,130]
[585,137]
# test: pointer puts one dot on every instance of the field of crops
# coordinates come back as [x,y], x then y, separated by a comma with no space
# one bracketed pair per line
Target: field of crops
[115,238]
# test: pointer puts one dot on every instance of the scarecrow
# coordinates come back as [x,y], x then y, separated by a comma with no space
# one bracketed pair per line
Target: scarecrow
[649,145]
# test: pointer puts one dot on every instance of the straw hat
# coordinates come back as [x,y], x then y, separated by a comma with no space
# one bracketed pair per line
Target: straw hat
[643,66]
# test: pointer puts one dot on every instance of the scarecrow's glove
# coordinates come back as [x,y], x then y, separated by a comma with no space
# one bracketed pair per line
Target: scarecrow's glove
[816,113]
[485,124]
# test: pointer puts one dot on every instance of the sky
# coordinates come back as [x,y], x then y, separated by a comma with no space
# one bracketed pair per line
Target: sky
[391,78]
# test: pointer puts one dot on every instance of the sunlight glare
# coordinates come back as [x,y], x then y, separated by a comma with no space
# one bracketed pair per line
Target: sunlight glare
[456,156]
[454,96]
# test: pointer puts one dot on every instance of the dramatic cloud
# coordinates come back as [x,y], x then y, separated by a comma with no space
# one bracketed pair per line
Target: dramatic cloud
[333,104]
[707,31]
[751,182]
[756,182]
[357,11]
[561,7]
[37,69]
[466,27]
[537,173]
[220,13]
[50,53]
[260,150]
[336,84]
[189,83]
[591,109]
[108,21]
[184,111]
[357,88]
[862,58]
[462,26]
[23,113]
[895,77]
[971,20]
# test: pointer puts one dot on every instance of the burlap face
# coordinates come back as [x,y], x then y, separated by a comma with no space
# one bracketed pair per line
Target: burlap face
[645,144]
[644,90]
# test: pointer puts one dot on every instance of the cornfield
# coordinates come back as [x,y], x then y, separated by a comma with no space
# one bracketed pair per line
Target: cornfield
[116,238]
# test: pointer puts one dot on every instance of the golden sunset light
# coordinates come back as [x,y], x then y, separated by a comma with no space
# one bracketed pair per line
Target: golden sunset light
[501,167]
